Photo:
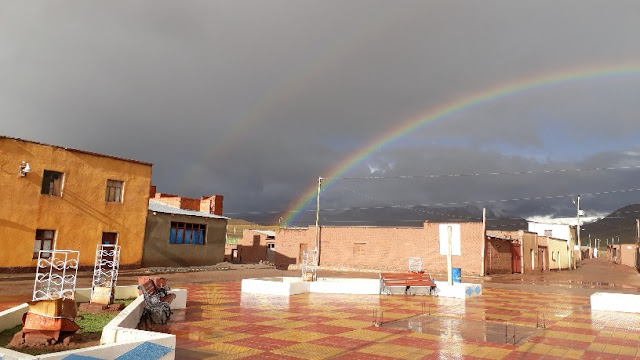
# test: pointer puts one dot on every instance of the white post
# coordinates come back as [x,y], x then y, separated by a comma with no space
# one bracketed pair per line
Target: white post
[579,247]
[317,247]
[449,268]
[483,271]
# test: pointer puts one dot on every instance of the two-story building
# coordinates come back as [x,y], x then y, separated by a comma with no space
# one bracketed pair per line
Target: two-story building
[52,197]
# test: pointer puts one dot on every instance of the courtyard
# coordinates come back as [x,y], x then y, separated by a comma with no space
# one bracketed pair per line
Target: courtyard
[545,316]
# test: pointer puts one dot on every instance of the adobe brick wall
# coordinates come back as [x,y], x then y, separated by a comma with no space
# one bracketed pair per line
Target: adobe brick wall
[208,204]
[169,200]
[498,256]
[628,255]
[212,204]
[190,204]
[383,248]
[252,247]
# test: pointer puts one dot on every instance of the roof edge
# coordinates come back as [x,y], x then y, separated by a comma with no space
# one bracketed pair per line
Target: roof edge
[77,150]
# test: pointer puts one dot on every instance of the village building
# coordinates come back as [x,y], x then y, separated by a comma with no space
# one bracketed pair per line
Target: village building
[383,248]
[54,197]
[389,248]
[256,246]
[624,254]
[183,231]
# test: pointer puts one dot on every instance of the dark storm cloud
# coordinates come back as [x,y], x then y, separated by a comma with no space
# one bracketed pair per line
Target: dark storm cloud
[254,100]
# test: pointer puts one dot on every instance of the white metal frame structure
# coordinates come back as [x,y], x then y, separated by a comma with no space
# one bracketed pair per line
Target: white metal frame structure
[106,266]
[56,274]
[415,264]
[310,263]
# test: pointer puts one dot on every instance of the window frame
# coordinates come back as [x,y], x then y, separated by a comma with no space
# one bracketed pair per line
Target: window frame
[42,240]
[359,248]
[51,185]
[118,194]
[185,233]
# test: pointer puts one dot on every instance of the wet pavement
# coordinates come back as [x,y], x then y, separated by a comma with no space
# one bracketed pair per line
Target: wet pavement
[531,316]
[222,323]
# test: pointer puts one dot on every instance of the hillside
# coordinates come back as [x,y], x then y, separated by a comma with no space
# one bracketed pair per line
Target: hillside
[621,222]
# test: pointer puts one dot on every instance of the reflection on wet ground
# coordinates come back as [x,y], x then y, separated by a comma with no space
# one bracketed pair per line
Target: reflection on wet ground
[221,322]
[452,329]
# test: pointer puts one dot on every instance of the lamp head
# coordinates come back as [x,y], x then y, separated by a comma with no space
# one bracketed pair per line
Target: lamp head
[25,168]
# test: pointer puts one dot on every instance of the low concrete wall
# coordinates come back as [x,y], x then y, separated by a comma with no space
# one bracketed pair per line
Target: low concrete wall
[615,302]
[119,337]
[285,286]
[458,290]
[345,286]
[11,318]
[288,286]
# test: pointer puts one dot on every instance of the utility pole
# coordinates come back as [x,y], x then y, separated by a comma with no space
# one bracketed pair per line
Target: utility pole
[449,265]
[577,201]
[484,241]
[579,226]
[317,248]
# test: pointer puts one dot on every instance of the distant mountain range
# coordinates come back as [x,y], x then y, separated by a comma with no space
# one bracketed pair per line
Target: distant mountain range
[417,215]
[620,223]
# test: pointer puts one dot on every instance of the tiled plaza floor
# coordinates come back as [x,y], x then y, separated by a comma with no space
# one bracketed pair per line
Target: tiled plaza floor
[222,323]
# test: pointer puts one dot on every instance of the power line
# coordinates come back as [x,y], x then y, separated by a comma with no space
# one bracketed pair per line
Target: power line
[531,172]
[482,201]
[437,204]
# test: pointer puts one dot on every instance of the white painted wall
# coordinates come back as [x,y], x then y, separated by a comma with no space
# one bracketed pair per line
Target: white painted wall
[558,231]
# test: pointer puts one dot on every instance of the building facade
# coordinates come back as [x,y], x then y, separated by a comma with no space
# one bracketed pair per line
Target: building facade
[181,237]
[384,248]
[67,199]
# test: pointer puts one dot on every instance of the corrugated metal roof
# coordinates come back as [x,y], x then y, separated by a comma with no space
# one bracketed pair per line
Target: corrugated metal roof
[265,232]
[167,209]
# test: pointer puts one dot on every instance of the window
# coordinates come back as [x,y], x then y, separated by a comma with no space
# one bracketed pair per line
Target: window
[271,246]
[186,233]
[109,238]
[359,248]
[113,192]
[52,183]
[44,241]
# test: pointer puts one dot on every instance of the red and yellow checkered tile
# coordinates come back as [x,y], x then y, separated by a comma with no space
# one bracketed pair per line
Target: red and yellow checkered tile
[222,323]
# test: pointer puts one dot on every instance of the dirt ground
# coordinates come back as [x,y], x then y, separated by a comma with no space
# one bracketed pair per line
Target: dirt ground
[593,275]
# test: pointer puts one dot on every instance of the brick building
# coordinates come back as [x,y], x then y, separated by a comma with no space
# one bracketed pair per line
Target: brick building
[206,204]
[184,231]
[384,248]
[624,254]
[499,255]
[256,246]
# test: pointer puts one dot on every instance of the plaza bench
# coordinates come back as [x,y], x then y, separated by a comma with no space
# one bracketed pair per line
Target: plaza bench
[157,300]
[407,281]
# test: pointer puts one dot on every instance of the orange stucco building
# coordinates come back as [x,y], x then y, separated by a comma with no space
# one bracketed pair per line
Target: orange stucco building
[53,197]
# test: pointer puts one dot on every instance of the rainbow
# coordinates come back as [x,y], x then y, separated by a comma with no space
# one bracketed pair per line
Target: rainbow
[455,106]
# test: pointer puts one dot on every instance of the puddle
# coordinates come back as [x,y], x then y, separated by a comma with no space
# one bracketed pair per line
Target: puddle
[460,329]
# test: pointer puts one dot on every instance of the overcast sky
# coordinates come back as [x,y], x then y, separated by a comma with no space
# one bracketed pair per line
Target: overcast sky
[255,100]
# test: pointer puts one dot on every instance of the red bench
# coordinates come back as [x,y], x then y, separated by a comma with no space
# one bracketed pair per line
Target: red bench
[406,280]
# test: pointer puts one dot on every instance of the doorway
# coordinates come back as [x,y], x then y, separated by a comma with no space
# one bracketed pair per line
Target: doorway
[109,238]
[270,252]
[303,248]
[542,258]
[516,256]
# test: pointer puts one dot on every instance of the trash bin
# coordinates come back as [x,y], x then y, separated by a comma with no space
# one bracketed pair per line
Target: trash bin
[455,274]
